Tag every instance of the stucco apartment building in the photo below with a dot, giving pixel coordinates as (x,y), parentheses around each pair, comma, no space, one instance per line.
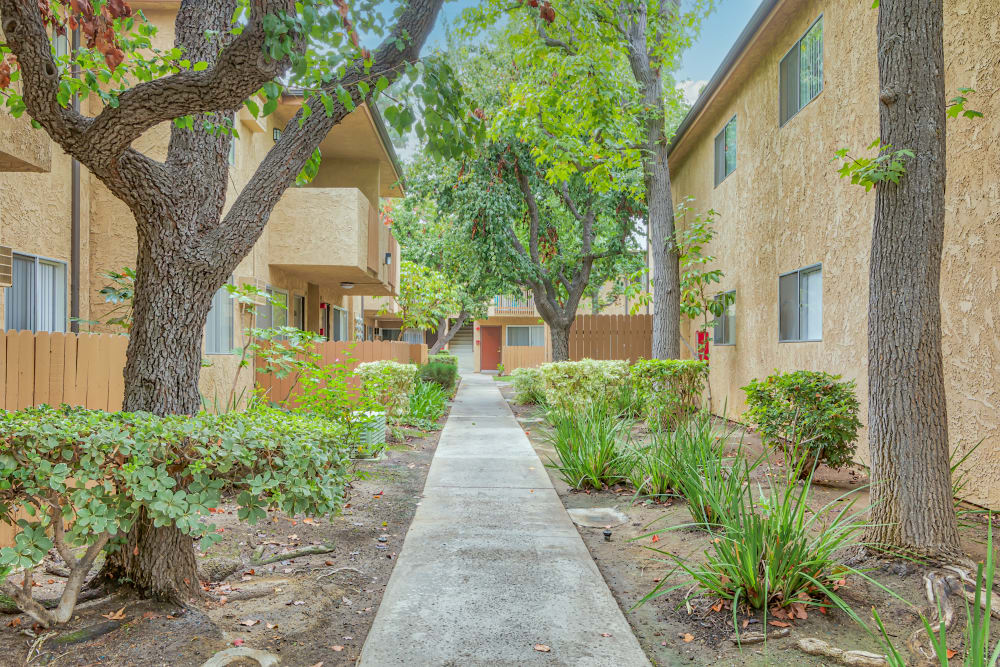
(793,238)
(324,251)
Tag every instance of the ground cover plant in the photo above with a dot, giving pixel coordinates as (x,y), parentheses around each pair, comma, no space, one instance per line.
(814,409)
(75,478)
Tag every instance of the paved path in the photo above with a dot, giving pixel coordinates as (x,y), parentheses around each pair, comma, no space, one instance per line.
(492,564)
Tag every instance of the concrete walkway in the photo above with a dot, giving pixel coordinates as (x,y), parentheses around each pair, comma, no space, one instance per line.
(492,564)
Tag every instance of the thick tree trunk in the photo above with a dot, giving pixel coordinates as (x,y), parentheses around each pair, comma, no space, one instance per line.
(445,338)
(907,412)
(560,343)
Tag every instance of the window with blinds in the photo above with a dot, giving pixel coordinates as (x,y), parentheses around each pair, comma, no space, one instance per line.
(36,299)
(800,305)
(724,333)
(800,77)
(525,336)
(219,326)
(725,151)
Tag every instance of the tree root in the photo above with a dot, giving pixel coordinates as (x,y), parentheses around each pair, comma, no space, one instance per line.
(311,550)
(939,585)
(748,638)
(818,647)
(8,606)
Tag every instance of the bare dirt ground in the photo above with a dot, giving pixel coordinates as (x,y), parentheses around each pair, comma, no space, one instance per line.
(308,610)
(676,629)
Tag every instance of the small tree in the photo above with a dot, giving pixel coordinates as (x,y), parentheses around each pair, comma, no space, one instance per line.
(426,297)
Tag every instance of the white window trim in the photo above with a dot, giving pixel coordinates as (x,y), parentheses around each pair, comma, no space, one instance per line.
(41,259)
(804,270)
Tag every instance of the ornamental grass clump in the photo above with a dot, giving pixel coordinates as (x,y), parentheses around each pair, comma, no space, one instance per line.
(529,386)
(80,478)
(814,409)
(590,445)
(771,550)
(441,373)
(388,384)
(573,385)
(428,401)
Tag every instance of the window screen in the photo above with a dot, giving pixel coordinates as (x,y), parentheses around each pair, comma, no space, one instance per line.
(800,305)
(725,151)
(413,336)
(801,72)
(219,328)
(526,336)
(339,324)
(36,299)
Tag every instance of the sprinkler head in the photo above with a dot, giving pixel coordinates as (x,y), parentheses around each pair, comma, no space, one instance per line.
(607,534)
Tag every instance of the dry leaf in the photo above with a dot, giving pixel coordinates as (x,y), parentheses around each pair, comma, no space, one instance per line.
(337,648)
(250,622)
(318,664)
(272,626)
(542,648)
(298,603)
(656,538)
(150,615)
(605,634)
(779,624)
(115,615)
(717,607)
(687,637)
(237,642)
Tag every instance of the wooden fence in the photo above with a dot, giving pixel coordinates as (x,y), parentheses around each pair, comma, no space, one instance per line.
(522,356)
(55,368)
(342,352)
(611,337)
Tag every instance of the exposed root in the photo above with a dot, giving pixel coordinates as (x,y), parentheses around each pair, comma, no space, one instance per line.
(747,638)
(818,647)
(939,586)
(311,550)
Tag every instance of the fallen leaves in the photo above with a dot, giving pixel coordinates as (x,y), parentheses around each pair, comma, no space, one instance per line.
(250,622)
(687,637)
(542,648)
(779,624)
(115,615)
(338,648)
(656,538)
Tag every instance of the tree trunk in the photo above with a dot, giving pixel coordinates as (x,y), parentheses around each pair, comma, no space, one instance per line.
(907,413)
(560,342)
(450,333)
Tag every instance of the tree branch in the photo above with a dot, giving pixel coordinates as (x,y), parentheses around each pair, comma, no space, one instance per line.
(534,218)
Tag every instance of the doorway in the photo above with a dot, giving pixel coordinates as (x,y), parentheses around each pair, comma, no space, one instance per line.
(489,352)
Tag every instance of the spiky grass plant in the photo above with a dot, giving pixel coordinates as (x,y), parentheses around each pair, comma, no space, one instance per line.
(590,445)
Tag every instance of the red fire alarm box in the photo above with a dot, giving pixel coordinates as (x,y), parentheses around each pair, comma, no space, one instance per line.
(702,346)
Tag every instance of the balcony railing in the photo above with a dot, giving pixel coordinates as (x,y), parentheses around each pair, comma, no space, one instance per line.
(514,305)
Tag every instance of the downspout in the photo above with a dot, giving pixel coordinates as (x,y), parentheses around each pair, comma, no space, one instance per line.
(74,298)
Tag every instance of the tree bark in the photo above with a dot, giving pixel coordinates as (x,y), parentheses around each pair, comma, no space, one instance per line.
(907,413)
(656,176)
(560,342)
(449,333)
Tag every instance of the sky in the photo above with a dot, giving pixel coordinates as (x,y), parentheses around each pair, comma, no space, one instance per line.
(719,32)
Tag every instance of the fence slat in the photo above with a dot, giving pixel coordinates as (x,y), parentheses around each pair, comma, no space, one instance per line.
(3,370)
(57,360)
(42,361)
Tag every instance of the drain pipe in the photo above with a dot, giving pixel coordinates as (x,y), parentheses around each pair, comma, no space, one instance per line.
(74,298)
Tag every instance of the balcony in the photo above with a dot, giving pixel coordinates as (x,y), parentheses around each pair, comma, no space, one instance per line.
(23,148)
(333,236)
(517,306)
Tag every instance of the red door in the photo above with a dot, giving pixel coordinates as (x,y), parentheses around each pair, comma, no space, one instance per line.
(489,348)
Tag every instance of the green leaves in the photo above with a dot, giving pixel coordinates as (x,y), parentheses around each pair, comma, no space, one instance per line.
(887,165)
(956,105)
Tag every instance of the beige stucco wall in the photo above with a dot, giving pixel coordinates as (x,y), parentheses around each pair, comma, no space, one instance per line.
(784,208)
(23,148)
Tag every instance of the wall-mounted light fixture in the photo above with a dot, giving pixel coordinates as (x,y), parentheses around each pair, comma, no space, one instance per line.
(346,285)
(277,134)
(388,259)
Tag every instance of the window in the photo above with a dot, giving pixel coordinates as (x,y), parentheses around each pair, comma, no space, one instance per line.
(801,72)
(36,299)
(339,324)
(800,305)
(725,151)
(273,314)
(525,336)
(413,336)
(724,334)
(389,334)
(299,312)
(219,328)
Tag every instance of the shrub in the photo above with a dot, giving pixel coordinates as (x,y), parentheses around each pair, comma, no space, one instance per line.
(529,386)
(668,389)
(427,401)
(440,373)
(443,358)
(773,549)
(573,385)
(82,476)
(388,384)
(810,409)
(589,444)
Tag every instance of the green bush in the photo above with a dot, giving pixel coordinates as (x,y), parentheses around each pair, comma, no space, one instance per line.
(809,409)
(388,384)
(573,385)
(443,358)
(529,386)
(440,373)
(83,476)
(668,390)
(590,445)
(427,401)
